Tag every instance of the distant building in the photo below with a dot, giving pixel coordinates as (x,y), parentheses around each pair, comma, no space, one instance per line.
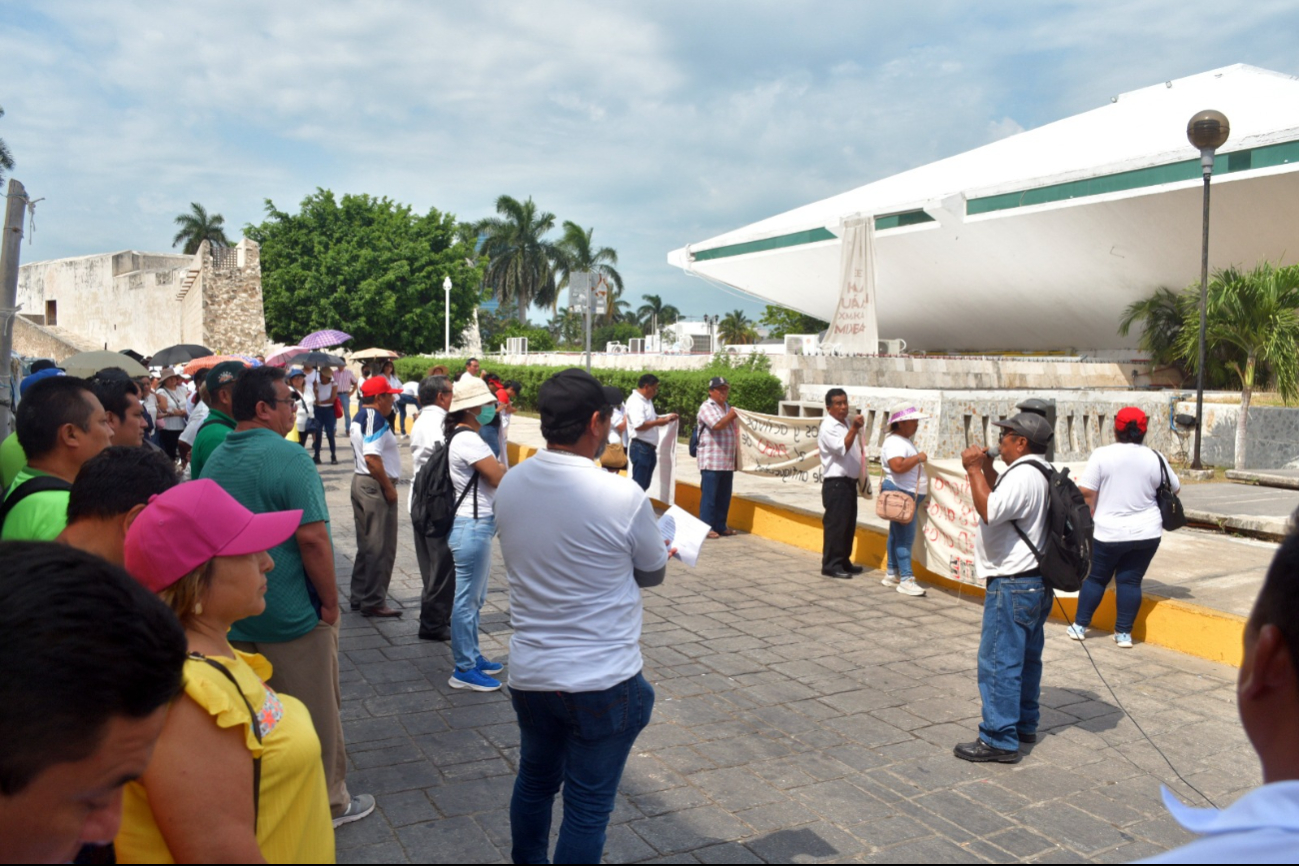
(143,301)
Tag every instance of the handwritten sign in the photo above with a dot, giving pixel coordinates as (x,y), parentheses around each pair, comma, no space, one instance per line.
(779,447)
(855,326)
(949,523)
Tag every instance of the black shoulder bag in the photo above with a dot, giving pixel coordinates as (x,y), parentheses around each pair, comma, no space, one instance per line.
(256,726)
(1170,507)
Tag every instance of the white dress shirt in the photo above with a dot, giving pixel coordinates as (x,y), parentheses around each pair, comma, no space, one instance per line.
(837,459)
(1019,496)
(424,435)
(640,410)
(1260,827)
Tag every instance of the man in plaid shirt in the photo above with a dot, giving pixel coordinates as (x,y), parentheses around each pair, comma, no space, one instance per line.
(717,447)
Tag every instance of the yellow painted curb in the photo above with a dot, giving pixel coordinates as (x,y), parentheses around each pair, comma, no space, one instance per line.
(1178,625)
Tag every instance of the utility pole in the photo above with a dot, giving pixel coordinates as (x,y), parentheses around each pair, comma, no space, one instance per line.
(10,246)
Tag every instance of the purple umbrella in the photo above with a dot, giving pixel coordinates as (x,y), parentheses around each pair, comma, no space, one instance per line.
(324,339)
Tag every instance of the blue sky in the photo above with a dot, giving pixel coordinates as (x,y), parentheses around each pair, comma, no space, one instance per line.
(657,123)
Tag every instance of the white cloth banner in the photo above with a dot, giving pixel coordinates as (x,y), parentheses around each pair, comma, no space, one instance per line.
(855,326)
(949,523)
(779,447)
(663,484)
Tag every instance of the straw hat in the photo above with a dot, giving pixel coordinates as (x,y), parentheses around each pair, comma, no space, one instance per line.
(906,411)
(470,393)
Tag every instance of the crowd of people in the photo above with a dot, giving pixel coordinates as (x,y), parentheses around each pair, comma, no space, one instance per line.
(172,657)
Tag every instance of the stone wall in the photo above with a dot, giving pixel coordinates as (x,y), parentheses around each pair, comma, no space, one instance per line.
(1272,435)
(230,299)
(33,340)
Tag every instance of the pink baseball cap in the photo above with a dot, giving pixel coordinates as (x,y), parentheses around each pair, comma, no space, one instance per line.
(183,528)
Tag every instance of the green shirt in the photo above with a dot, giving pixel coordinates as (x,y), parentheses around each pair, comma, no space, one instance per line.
(39,517)
(212,433)
(266,472)
(12,460)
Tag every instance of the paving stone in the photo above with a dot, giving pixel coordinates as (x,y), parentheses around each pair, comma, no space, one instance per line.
(1073,828)
(689,829)
(931,850)
(478,795)
(735,789)
(812,843)
(450,840)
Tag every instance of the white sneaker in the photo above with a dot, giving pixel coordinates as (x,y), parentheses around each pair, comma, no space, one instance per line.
(360,807)
(910,587)
(1123,639)
(1076,631)
(889,580)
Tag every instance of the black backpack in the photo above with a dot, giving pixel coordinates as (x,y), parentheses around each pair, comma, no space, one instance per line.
(1066,558)
(433,503)
(36,484)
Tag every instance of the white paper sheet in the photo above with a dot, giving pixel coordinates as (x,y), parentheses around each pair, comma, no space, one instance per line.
(685,532)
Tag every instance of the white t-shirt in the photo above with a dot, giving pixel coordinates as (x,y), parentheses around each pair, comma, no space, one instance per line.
(1020,496)
(838,460)
(371,435)
(326,391)
(196,419)
(571,536)
(1125,477)
(639,411)
(426,433)
(615,435)
(309,386)
(411,389)
(466,450)
(901,446)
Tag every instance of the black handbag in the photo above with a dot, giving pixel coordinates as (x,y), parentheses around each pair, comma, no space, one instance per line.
(1170,507)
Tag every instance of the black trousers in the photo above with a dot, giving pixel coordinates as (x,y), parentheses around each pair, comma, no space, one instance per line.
(438,571)
(839,498)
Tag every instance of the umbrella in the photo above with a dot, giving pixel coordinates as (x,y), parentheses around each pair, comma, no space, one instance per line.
(209,362)
(249,360)
(316,359)
(88,364)
(365,354)
(323,339)
(130,353)
(278,359)
(180,354)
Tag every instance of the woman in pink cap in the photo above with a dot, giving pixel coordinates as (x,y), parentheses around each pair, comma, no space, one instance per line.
(236,776)
(902,471)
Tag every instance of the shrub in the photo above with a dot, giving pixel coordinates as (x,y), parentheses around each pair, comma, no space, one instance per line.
(680,391)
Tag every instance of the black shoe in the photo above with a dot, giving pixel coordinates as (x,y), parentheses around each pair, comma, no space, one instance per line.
(443,635)
(841,575)
(316,459)
(1028,738)
(854,569)
(981,752)
(355,606)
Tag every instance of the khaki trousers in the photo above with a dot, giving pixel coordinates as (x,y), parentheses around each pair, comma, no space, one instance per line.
(376,544)
(307,669)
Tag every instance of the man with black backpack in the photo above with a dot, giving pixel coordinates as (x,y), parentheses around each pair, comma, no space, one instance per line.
(436,568)
(1014,509)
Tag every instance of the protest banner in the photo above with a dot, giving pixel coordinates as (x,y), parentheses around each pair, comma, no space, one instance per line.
(663,484)
(779,447)
(949,523)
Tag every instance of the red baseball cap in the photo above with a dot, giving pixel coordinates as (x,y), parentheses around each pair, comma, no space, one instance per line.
(376,385)
(1127,415)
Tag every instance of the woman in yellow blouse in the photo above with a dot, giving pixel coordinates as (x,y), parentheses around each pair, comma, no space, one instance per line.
(236,776)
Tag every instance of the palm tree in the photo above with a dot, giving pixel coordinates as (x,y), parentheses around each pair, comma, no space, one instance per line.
(196,227)
(1255,317)
(520,261)
(578,253)
(654,312)
(1161,316)
(736,328)
(6,158)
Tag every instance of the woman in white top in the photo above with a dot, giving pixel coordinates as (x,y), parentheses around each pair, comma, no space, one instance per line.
(1119,484)
(302,413)
(901,462)
(617,431)
(389,372)
(326,421)
(173,410)
(475,473)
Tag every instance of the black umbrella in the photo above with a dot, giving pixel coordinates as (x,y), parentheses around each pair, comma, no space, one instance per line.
(180,354)
(316,359)
(131,353)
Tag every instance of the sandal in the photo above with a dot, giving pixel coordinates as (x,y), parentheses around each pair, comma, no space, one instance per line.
(712,534)
(728,533)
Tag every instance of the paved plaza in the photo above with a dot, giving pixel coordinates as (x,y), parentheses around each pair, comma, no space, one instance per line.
(797,719)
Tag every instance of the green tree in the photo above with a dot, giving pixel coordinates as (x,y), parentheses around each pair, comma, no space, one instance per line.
(736,328)
(568,328)
(6,158)
(782,320)
(368,266)
(578,253)
(655,312)
(1254,316)
(198,226)
(618,332)
(539,339)
(521,262)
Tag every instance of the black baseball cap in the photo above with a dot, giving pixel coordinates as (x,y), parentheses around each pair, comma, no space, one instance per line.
(613,396)
(570,395)
(44,364)
(1032,427)
(717,382)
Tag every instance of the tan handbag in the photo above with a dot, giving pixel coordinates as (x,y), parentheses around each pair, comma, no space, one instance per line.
(898,506)
(614,456)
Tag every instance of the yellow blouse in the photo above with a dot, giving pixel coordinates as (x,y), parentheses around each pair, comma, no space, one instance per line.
(293,821)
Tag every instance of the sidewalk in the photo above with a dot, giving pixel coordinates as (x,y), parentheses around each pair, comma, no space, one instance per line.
(797,719)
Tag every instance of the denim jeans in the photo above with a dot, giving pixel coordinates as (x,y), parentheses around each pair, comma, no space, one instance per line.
(1126,562)
(347,411)
(492,436)
(902,536)
(1015,610)
(402,402)
(325,424)
(471,548)
(579,740)
(715,497)
(644,457)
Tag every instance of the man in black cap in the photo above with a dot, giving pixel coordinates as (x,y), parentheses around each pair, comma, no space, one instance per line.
(718,444)
(220,420)
(1018,602)
(578,544)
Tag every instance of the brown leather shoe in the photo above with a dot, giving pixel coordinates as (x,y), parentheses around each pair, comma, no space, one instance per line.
(381,611)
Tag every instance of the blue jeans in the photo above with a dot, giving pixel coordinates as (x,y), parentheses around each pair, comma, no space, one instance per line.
(325,424)
(1010,658)
(1126,562)
(644,457)
(402,402)
(715,497)
(579,740)
(902,537)
(492,436)
(347,411)
(471,548)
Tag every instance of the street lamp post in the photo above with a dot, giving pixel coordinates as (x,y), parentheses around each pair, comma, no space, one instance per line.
(1207,131)
(446,287)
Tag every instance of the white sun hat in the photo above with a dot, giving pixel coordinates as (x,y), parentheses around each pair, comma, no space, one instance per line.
(470,393)
(907,411)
